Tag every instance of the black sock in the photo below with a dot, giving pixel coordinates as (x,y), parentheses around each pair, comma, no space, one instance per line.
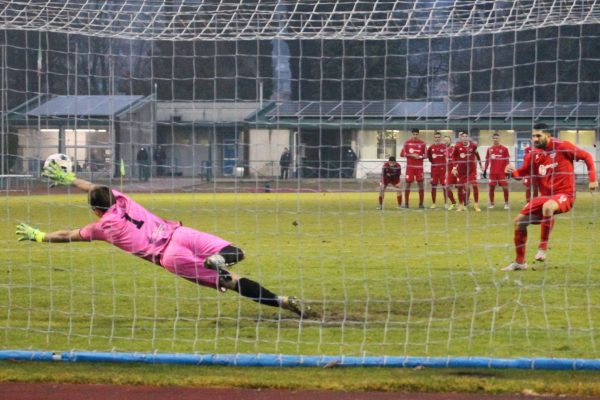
(254,291)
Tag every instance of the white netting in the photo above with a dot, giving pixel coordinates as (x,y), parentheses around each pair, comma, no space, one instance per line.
(314,19)
(214,91)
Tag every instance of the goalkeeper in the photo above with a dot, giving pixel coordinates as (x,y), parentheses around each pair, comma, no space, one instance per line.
(196,256)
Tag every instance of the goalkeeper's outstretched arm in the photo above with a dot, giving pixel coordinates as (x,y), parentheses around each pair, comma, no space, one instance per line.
(82,184)
(58,176)
(26,232)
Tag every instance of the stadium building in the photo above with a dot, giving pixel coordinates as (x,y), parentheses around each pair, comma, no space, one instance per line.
(327,139)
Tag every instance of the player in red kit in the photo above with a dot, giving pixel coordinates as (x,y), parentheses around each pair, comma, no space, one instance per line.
(553,160)
(414,150)
(497,158)
(531,181)
(450,178)
(437,156)
(390,175)
(465,158)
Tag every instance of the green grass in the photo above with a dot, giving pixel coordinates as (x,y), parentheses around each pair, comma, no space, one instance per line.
(387,283)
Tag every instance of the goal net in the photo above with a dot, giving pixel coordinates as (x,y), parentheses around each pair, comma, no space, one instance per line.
(267,123)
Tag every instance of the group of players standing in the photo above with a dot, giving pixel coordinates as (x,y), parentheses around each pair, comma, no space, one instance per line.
(547,165)
(452,165)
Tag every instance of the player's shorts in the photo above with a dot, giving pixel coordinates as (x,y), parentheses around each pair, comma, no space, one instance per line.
(534,207)
(464,179)
(413,175)
(393,182)
(450,178)
(185,254)
(438,175)
(528,181)
(498,179)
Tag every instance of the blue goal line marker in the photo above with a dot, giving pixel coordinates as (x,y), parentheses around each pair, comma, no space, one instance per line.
(282,360)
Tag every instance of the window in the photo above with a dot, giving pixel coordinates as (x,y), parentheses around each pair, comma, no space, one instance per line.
(386,143)
(580,138)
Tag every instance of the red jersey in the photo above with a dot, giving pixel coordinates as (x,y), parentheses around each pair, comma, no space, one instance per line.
(465,158)
(414,147)
(391,173)
(497,158)
(528,150)
(449,156)
(554,166)
(437,154)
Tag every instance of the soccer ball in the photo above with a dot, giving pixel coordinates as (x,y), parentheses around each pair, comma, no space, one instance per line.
(61,159)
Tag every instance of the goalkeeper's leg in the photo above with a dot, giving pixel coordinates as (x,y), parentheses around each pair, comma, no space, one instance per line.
(258,293)
(226,257)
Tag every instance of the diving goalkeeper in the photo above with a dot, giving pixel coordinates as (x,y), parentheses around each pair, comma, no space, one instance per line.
(196,256)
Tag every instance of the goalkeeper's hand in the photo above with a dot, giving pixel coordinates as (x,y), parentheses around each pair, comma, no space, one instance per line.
(57,175)
(484,174)
(26,232)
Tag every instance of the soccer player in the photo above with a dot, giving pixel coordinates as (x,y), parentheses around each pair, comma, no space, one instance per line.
(437,156)
(553,159)
(531,181)
(465,158)
(414,150)
(390,175)
(196,256)
(450,178)
(497,158)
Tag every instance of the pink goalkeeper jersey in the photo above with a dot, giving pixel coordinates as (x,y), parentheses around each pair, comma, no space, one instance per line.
(132,228)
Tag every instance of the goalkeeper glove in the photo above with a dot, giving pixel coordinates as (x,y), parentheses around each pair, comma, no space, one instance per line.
(26,232)
(57,175)
(484,174)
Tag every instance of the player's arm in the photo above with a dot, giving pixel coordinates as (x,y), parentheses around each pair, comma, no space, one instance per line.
(582,155)
(26,232)
(478,158)
(487,160)
(60,177)
(525,170)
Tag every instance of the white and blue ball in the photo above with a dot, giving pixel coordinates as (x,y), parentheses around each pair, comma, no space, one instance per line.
(63,160)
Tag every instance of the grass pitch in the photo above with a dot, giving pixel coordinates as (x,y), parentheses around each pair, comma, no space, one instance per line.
(393,282)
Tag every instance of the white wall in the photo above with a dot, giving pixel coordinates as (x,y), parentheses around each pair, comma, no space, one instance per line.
(266,146)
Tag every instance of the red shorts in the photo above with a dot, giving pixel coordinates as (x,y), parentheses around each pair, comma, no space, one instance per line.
(450,179)
(414,175)
(498,179)
(534,207)
(529,181)
(393,182)
(463,179)
(438,175)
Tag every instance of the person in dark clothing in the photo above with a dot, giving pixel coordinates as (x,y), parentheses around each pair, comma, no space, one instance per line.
(348,162)
(160,157)
(143,160)
(284,162)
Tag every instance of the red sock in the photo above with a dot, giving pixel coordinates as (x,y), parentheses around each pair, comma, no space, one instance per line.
(450,196)
(399,198)
(380,200)
(492,194)
(421,196)
(476,193)
(406,193)
(520,243)
(433,194)
(461,195)
(505,189)
(546,227)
